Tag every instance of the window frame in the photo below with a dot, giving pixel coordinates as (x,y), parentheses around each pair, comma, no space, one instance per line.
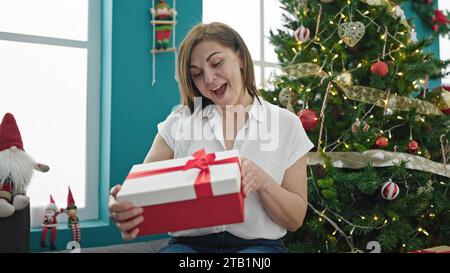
(93,87)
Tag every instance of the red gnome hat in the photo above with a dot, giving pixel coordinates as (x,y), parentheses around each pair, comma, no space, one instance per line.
(70,201)
(9,133)
(52,205)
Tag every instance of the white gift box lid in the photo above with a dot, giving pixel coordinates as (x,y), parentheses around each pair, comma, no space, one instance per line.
(179,185)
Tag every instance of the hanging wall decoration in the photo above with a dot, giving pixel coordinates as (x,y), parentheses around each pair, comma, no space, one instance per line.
(163,21)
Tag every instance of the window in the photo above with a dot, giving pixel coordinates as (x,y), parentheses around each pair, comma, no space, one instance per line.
(50,81)
(444,42)
(259,16)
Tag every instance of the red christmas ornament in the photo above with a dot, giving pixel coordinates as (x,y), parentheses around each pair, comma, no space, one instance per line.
(358,125)
(381,142)
(435,27)
(301,34)
(413,147)
(390,190)
(379,68)
(308,118)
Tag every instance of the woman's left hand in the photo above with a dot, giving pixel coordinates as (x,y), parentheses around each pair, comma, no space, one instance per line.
(253,177)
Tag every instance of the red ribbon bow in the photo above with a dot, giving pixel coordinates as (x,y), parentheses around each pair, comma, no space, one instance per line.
(201,161)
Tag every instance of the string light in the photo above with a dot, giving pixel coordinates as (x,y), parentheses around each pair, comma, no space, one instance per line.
(322,47)
(355,107)
(331,22)
(371,116)
(359,65)
(294,50)
(375,218)
(400,73)
(417,51)
(320,219)
(334,232)
(385,222)
(362,217)
(366,12)
(335,56)
(346,145)
(399,117)
(314,60)
(340,42)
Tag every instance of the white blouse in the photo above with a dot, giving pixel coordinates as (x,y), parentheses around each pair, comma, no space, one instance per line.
(272,137)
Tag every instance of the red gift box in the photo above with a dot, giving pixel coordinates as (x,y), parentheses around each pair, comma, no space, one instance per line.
(185,193)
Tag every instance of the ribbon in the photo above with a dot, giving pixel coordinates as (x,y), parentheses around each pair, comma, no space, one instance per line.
(201,161)
(380,158)
(363,93)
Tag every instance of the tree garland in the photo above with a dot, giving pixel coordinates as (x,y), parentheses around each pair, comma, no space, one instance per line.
(433,18)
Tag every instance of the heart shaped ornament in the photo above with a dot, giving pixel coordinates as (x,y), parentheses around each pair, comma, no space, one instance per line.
(350,33)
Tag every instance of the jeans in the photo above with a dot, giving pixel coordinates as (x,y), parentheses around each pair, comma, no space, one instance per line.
(223,242)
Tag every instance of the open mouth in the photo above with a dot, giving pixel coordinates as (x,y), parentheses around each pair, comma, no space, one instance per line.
(220,90)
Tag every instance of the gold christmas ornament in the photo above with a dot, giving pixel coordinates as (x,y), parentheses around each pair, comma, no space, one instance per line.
(350,33)
(344,78)
(286,97)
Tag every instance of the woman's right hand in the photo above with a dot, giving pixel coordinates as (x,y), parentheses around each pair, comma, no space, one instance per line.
(125,214)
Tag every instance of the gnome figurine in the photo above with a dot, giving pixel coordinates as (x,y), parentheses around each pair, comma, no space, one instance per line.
(16,168)
(72,222)
(49,222)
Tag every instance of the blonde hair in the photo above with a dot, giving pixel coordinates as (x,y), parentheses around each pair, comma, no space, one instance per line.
(225,36)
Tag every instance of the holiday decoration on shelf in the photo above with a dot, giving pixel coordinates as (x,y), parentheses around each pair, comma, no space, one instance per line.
(412,147)
(16,168)
(390,190)
(72,221)
(301,34)
(379,68)
(49,221)
(163,21)
(351,32)
(308,118)
(359,126)
(364,60)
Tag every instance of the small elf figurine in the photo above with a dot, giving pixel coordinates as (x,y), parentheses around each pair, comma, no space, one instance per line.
(72,222)
(49,222)
(163,12)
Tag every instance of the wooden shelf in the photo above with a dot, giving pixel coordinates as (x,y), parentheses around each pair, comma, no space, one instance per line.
(172,49)
(163,22)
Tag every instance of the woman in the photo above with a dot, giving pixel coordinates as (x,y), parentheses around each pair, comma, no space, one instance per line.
(214,64)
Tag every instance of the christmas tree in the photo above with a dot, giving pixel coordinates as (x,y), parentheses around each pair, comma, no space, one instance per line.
(357,77)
